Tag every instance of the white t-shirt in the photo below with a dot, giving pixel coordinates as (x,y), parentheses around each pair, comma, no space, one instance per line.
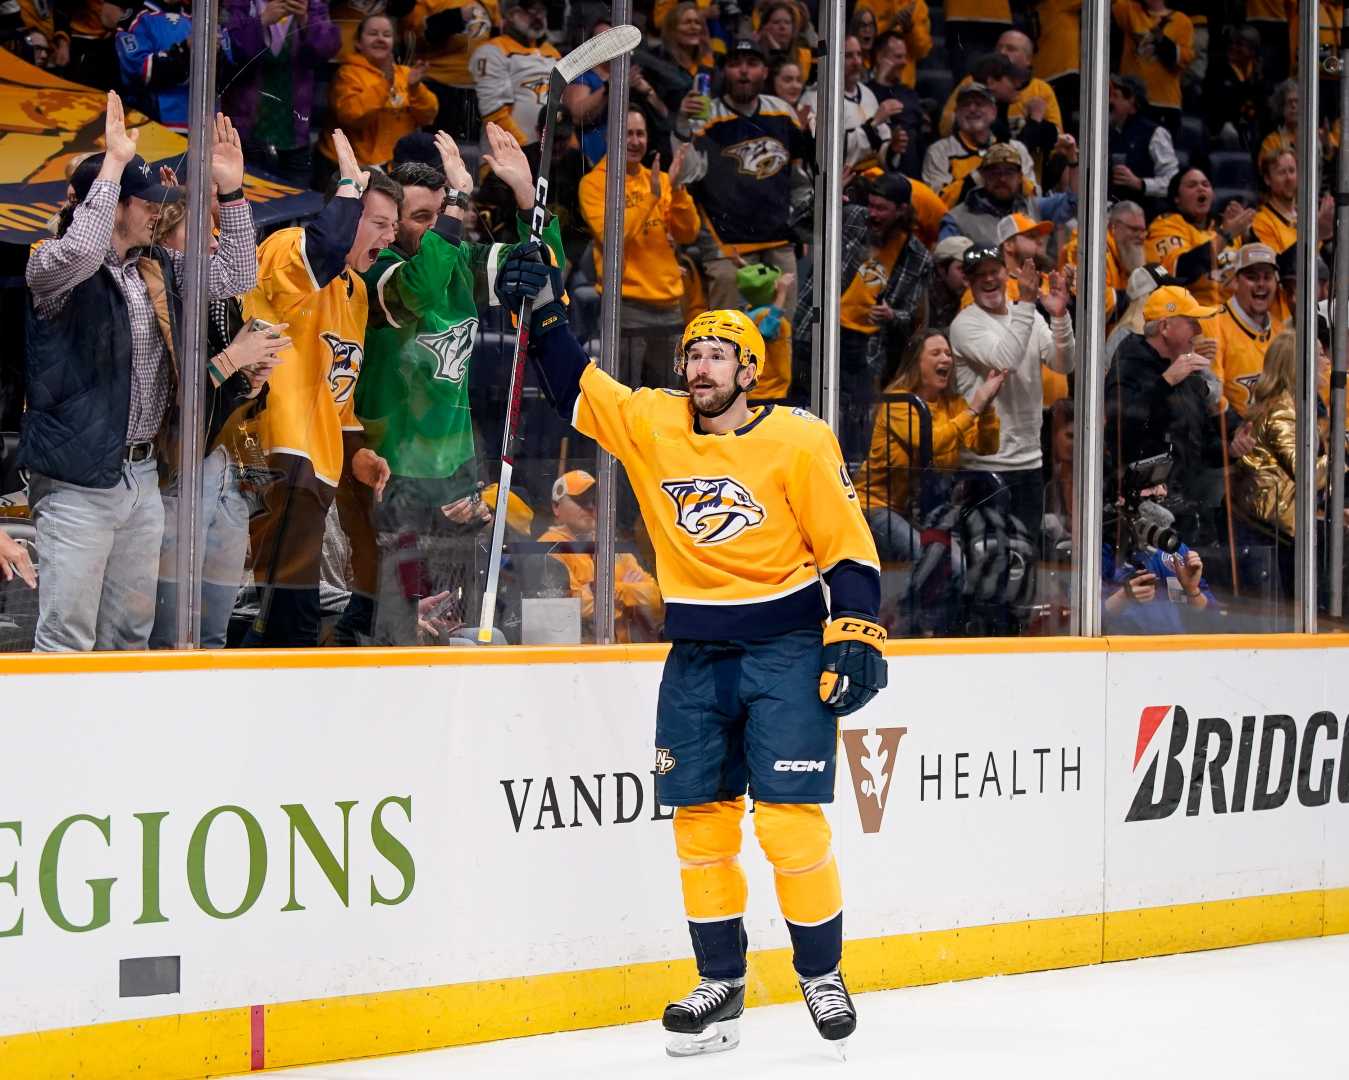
(1018,343)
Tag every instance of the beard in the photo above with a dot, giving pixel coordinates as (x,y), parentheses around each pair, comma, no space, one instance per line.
(1131,256)
(714,401)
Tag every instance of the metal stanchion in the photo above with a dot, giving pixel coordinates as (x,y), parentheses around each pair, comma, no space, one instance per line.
(1089,393)
(606,476)
(1339,307)
(1304,555)
(196,174)
(827,242)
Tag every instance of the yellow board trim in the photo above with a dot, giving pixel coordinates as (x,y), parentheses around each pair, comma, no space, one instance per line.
(490,656)
(402,1021)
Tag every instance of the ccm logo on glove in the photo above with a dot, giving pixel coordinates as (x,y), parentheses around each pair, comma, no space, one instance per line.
(853,669)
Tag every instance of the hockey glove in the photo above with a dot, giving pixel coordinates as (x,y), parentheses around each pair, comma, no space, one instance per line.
(525,275)
(853,667)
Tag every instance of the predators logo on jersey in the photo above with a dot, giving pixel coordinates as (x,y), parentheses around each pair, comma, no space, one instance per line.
(760,158)
(452,348)
(346,365)
(537,87)
(713,510)
(873,274)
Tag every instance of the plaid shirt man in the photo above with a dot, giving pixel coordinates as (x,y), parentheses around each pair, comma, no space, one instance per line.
(58,266)
(905,293)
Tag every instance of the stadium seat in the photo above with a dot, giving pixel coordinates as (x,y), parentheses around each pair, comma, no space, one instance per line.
(1224,195)
(1193,138)
(935,83)
(1182,158)
(1231,169)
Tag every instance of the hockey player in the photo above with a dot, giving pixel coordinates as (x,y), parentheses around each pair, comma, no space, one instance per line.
(748,510)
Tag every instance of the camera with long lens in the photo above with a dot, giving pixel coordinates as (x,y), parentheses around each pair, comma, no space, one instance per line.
(1143,525)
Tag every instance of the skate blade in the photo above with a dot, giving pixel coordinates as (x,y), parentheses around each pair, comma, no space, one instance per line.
(724,1035)
(841,1049)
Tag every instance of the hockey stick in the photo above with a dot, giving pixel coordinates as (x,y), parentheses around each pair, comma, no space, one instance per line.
(600,49)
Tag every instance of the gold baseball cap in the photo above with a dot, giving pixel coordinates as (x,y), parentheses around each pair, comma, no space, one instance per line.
(1172,302)
(574,483)
(1021,224)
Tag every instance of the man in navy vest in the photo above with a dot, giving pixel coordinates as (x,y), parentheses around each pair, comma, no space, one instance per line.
(99,384)
(1142,156)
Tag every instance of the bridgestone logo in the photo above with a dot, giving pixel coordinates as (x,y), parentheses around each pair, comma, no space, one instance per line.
(1289,757)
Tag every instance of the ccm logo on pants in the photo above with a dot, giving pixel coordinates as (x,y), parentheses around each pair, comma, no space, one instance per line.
(798,766)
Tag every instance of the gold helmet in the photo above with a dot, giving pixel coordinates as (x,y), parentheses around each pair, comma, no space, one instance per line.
(734,327)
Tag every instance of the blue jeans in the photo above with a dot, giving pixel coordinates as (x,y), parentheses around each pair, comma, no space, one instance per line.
(222,548)
(99,549)
(896,539)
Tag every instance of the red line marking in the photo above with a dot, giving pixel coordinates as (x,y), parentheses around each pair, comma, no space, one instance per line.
(258,1037)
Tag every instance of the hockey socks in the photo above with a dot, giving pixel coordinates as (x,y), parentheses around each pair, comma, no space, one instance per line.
(816,950)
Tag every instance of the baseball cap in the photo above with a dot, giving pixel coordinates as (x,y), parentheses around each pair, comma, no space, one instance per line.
(1147,279)
(138,180)
(953,247)
(744,46)
(1001,154)
(574,484)
(976,88)
(976,255)
(1172,302)
(893,186)
(1019,224)
(1249,255)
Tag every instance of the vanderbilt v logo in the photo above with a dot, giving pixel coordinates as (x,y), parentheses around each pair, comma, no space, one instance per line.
(871,762)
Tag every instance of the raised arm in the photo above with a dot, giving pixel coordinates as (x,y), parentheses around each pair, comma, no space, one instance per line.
(55,268)
(234,267)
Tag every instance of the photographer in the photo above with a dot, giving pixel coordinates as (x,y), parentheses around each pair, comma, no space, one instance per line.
(1149,590)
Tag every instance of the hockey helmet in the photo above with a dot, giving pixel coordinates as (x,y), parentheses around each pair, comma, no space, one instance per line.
(728,325)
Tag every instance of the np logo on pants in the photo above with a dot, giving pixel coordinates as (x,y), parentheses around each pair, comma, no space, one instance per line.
(664,761)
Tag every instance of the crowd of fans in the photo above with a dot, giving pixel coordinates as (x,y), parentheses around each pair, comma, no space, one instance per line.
(357,360)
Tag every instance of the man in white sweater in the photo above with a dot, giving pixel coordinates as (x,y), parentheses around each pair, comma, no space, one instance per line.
(995,335)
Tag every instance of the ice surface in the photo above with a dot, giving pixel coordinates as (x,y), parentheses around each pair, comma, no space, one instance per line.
(1265,1011)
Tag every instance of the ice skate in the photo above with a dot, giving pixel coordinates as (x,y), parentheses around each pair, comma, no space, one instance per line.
(707,1020)
(831,1009)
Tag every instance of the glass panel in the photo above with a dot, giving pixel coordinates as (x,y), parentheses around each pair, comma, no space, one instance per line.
(415,379)
(94,267)
(963,478)
(1200,400)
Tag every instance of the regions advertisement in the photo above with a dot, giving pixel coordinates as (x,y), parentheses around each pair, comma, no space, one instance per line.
(194,841)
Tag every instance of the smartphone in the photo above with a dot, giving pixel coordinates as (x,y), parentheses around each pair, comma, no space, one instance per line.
(260,325)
